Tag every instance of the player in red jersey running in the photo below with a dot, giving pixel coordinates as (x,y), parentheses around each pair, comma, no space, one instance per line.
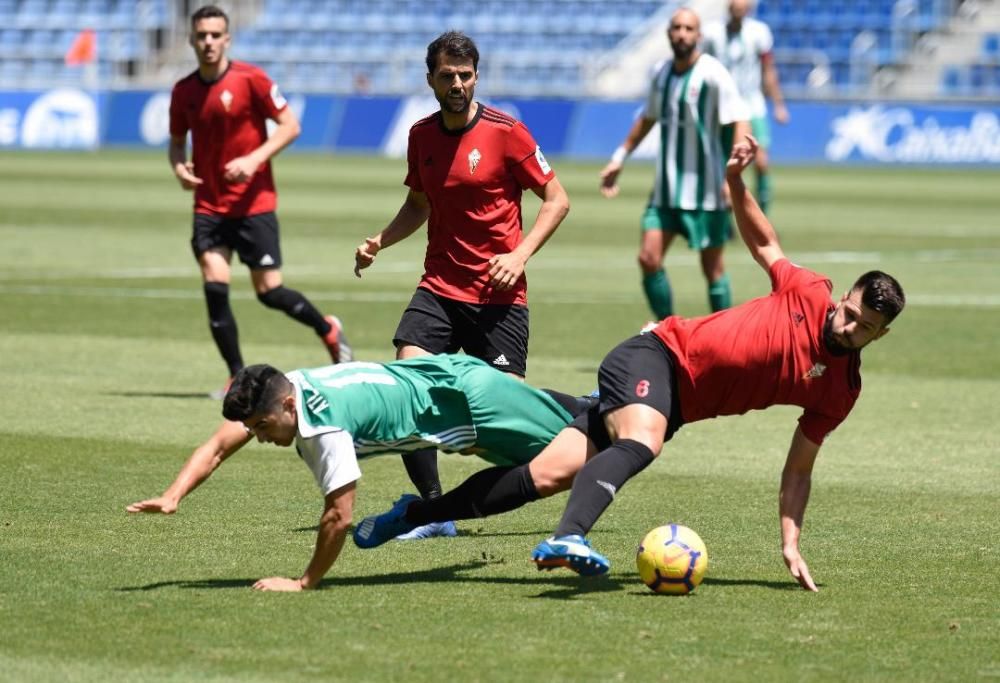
(467,167)
(793,347)
(225,105)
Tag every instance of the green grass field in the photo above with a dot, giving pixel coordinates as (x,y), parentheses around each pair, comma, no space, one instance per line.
(106,362)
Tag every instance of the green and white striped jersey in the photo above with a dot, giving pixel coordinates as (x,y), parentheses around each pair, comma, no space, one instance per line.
(691,108)
(741,53)
(450,402)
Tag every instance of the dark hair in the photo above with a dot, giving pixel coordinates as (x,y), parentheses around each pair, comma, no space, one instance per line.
(453,44)
(208,12)
(881,293)
(254,390)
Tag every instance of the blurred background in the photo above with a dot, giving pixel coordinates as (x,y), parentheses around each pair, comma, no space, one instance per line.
(884,81)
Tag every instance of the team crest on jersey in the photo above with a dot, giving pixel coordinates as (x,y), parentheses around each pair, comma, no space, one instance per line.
(227,99)
(815,371)
(542,163)
(474,158)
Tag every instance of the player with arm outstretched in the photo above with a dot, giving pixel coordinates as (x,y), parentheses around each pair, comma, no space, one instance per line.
(333,415)
(793,347)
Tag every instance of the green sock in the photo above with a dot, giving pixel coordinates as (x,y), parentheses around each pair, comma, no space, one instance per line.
(763,190)
(657,289)
(720,294)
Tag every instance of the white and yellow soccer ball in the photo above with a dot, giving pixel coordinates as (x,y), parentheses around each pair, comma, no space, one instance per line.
(672,559)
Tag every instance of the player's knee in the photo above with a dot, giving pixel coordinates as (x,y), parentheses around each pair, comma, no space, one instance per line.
(550,480)
(649,262)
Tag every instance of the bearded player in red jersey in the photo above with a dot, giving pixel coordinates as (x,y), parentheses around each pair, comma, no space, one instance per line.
(225,105)
(793,347)
(468,165)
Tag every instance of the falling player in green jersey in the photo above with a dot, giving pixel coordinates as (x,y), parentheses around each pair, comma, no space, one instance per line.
(336,414)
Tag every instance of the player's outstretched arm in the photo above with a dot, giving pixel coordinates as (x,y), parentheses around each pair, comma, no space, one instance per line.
(609,174)
(227,439)
(796,481)
(411,215)
(757,232)
(333,527)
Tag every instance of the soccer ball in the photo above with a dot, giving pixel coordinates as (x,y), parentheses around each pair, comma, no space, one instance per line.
(672,559)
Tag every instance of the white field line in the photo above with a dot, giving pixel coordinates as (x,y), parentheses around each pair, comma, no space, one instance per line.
(545,264)
(924,300)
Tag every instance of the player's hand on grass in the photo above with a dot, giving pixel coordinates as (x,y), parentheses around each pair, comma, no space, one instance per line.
(279,584)
(609,179)
(240,170)
(742,156)
(186,177)
(799,570)
(364,255)
(166,506)
(505,271)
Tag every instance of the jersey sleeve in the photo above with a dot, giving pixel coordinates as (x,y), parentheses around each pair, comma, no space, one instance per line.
(652,108)
(765,40)
(412,179)
(786,275)
(525,158)
(332,459)
(178,123)
(267,97)
(732,107)
(817,426)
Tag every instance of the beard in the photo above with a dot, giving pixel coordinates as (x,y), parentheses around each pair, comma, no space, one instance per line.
(453,107)
(682,50)
(830,341)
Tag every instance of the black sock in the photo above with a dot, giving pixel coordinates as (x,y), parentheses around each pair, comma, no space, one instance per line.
(574,405)
(293,303)
(597,482)
(223,325)
(422,466)
(487,492)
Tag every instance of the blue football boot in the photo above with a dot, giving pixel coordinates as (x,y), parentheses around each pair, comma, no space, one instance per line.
(432,530)
(375,530)
(573,552)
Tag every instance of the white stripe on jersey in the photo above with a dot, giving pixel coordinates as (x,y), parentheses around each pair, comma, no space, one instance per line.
(691,109)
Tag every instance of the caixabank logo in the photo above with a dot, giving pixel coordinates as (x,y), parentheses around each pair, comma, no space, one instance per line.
(61,118)
(911,135)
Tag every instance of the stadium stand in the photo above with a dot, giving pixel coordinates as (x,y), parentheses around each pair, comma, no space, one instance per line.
(36,35)
(529,47)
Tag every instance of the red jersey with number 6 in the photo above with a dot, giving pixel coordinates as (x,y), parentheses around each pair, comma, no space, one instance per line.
(473,179)
(767,351)
(227,119)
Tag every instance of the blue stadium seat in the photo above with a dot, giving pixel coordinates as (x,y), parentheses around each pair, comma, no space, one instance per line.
(991,47)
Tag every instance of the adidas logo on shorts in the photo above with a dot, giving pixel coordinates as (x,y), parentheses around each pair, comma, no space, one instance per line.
(266,260)
(501,360)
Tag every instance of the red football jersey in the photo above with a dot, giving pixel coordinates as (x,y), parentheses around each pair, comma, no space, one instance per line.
(767,351)
(473,179)
(227,119)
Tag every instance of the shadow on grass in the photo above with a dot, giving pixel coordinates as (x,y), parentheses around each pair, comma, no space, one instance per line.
(159,394)
(775,585)
(478,533)
(563,586)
